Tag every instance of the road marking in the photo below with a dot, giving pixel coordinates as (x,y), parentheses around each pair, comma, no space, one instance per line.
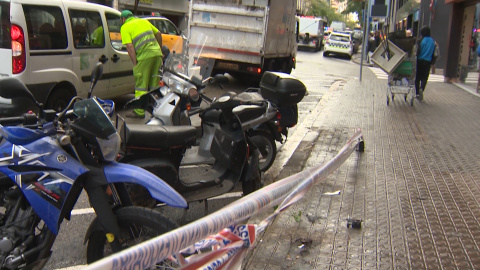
(82,211)
(73,267)
(86,211)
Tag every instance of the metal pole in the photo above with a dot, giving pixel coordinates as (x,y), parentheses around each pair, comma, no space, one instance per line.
(366,35)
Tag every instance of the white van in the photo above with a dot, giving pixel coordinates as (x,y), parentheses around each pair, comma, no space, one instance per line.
(53,45)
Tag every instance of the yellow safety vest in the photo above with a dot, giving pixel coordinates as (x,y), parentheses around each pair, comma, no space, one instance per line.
(141,33)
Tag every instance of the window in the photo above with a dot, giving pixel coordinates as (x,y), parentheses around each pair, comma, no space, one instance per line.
(5,38)
(164,26)
(340,38)
(170,28)
(46,27)
(87,29)
(114,24)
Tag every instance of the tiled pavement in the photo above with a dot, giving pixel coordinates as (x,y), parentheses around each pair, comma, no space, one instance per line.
(416,187)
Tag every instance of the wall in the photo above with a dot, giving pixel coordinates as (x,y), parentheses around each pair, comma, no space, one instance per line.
(175,10)
(439,24)
(468,18)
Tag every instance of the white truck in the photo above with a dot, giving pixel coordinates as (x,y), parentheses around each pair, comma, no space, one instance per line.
(338,26)
(310,32)
(245,37)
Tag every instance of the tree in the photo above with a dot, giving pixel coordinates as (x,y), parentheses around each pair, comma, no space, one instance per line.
(320,8)
(355,6)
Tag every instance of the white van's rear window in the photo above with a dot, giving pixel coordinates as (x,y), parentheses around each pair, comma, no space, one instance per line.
(5,38)
(46,27)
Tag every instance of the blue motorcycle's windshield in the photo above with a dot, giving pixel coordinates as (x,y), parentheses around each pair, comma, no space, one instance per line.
(93,118)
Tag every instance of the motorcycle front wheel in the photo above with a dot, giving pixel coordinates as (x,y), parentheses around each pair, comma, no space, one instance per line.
(265,143)
(138,224)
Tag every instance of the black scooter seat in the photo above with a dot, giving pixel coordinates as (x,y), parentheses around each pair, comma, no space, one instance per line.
(152,136)
(250,96)
(249,112)
(244,112)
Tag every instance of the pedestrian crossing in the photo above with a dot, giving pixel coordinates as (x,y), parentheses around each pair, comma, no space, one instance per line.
(380,74)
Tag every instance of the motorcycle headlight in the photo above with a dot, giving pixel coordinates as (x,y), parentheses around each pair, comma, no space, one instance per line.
(193,94)
(110,147)
(176,86)
(164,90)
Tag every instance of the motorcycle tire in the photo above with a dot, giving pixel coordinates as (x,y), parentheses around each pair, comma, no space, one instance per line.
(138,224)
(267,147)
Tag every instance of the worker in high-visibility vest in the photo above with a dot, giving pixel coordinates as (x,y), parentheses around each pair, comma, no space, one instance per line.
(144,42)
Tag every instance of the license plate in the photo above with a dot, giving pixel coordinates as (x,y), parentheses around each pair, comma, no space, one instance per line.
(229,66)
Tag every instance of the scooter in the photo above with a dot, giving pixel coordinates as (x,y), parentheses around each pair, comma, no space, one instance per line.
(181,97)
(161,148)
(46,161)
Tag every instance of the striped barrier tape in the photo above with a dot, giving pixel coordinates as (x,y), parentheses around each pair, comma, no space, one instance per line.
(230,245)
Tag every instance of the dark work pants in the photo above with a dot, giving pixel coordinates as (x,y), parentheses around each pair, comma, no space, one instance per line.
(423,70)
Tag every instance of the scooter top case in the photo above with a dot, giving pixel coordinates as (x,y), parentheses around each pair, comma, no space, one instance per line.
(282,89)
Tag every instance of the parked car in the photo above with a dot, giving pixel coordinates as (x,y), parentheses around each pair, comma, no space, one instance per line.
(170,32)
(339,43)
(52,46)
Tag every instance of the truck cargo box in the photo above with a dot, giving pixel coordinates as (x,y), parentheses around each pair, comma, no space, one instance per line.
(245,35)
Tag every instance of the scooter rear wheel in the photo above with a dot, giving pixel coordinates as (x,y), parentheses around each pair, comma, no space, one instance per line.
(138,224)
(265,143)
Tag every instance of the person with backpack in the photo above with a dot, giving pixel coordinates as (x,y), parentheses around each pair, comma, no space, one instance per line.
(425,57)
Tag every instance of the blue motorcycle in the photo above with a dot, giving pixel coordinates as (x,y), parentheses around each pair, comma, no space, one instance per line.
(47,159)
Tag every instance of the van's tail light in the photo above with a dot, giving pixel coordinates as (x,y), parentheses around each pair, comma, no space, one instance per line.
(18,49)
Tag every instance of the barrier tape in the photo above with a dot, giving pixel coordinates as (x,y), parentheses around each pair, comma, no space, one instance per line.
(230,245)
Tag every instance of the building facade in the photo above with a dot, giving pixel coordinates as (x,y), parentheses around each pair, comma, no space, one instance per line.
(453,25)
(175,10)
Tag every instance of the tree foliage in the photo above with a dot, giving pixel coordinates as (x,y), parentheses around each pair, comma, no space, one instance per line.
(354,6)
(320,8)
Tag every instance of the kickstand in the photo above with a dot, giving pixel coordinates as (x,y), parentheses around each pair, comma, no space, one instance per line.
(206,207)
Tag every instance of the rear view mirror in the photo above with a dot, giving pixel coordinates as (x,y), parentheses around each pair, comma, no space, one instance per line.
(96,75)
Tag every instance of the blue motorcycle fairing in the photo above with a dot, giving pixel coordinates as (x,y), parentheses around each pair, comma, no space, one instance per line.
(20,135)
(46,190)
(161,191)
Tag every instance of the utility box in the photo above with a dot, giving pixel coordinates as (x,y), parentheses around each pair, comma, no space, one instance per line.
(388,56)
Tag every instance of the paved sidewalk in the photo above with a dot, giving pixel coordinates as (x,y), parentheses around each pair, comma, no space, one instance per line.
(416,187)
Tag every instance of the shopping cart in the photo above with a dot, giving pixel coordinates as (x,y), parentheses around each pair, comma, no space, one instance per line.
(401,81)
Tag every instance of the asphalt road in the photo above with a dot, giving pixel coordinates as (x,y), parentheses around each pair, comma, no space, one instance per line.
(315,71)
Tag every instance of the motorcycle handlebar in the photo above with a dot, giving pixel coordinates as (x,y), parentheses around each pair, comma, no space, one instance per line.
(26,119)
